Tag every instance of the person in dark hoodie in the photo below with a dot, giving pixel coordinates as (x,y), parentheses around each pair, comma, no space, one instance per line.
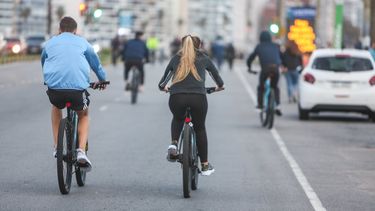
(134,53)
(270,60)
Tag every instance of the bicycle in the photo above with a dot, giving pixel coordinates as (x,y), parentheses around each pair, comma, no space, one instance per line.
(188,152)
(134,85)
(267,114)
(67,143)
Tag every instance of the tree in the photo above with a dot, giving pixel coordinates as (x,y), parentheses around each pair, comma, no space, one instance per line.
(25,13)
(60,12)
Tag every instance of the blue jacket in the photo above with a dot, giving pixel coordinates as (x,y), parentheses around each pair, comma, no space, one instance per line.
(135,50)
(267,51)
(66,61)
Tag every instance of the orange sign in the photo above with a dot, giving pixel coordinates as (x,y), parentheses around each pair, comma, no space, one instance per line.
(303,35)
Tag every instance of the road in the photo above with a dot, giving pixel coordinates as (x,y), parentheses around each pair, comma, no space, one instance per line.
(327,162)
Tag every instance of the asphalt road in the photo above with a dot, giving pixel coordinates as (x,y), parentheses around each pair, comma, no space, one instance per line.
(327,162)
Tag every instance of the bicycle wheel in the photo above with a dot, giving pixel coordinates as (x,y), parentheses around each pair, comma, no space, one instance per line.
(186,161)
(134,86)
(194,168)
(271,110)
(64,157)
(80,174)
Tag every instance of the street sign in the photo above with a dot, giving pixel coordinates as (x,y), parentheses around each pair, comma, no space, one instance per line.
(339,25)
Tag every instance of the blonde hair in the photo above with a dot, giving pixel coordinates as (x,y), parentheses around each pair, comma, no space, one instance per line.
(187,60)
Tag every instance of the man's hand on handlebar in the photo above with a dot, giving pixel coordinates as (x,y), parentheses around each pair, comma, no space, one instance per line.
(101,85)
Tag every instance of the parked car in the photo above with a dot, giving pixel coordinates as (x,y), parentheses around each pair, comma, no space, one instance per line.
(338,80)
(35,44)
(14,45)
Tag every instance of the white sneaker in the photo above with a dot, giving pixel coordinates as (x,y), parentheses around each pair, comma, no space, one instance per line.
(172,153)
(83,162)
(207,170)
(54,153)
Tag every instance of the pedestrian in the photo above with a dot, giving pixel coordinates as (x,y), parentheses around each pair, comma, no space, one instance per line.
(152,45)
(218,51)
(230,54)
(175,46)
(292,61)
(115,45)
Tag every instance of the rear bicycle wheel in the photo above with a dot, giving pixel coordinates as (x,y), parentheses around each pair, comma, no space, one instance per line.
(271,109)
(186,161)
(64,157)
(194,168)
(134,86)
(80,174)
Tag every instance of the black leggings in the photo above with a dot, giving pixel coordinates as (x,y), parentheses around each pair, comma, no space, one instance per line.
(198,105)
(138,64)
(274,81)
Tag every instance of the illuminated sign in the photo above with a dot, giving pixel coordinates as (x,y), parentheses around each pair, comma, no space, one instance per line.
(303,35)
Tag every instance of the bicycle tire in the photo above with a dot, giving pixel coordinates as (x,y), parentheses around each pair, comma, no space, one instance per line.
(186,161)
(80,174)
(63,153)
(271,110)
(195,168)
(134,86)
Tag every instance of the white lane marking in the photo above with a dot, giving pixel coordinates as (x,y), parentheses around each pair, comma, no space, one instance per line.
(103,108)
(301,178)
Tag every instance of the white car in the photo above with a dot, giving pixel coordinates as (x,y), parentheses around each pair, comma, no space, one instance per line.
(338,80)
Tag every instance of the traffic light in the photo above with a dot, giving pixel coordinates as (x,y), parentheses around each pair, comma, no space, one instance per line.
(98,13)
(82,9)
(274,28)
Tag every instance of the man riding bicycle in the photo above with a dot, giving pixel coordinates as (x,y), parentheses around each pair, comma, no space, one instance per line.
(66,61)
(270,59)
(134,53)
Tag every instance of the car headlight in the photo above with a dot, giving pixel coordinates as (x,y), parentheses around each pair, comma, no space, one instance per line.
(16,48)
(96,48)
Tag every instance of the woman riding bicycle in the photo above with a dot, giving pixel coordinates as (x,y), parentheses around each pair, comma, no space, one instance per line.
(187,71)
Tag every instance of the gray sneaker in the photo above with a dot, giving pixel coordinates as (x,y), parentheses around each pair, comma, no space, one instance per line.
(83,162)
(207,169)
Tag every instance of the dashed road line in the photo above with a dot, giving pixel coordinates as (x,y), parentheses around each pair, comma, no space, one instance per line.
(301,178)
(103,108)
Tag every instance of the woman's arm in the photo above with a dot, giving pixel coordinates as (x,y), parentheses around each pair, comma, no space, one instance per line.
(169,71)
(214,73)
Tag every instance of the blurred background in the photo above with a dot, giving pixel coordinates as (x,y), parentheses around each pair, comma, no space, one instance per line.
(29,22)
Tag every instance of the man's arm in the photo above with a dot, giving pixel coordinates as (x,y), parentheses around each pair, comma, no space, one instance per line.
(43,57)
(252,57)
(94,62)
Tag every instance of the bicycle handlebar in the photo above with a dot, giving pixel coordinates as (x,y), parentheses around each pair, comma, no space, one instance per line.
(99,85)
(209,90)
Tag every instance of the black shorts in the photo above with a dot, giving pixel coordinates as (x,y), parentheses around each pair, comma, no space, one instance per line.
(79,99)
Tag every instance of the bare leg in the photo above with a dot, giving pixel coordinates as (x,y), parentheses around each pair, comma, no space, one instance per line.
(56,116)
(83,128)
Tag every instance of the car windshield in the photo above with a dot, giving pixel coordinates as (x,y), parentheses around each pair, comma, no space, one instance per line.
(12,40)
(35,40)
(342,64)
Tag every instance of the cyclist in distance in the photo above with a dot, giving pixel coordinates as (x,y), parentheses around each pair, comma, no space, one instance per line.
(270,59)
(187,71)
(66,60)
(134,53)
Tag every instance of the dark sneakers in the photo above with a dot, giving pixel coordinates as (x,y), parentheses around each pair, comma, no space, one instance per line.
(207,169)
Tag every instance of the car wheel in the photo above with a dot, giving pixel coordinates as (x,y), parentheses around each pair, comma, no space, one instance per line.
(303,114)
(371,116)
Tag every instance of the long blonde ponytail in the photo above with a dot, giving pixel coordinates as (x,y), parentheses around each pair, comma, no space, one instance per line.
(187,61)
